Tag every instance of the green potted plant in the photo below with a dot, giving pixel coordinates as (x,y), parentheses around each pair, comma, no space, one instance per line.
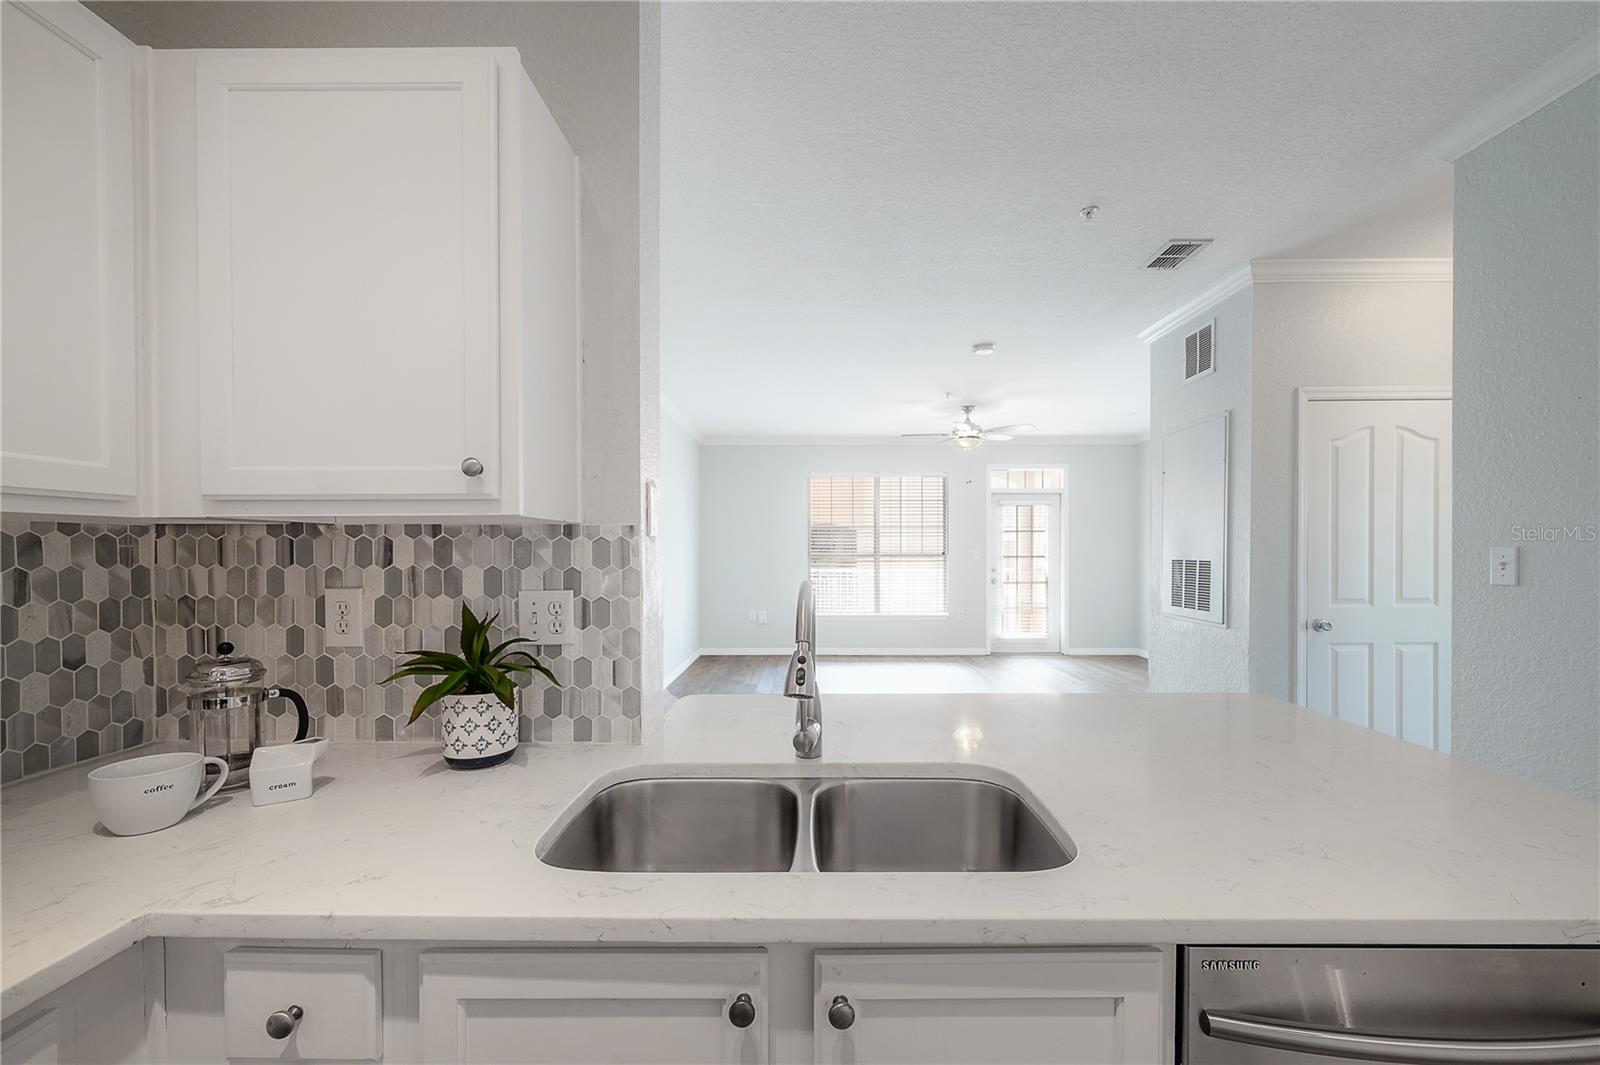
(476,693)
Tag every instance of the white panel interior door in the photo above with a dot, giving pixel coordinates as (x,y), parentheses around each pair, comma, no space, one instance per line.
(570,1007)
(70,340)
(1375,616)
(348,273)
(1025,573)
(988,1008)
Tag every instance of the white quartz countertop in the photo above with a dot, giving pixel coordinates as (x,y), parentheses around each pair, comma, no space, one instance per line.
(1198,819)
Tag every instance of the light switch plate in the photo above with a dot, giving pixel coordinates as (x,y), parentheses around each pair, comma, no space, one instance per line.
(344,617)
(1503,565)
(547,617)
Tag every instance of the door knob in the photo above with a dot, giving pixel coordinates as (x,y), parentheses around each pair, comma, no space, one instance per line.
(1321,625)
(841,1014)
(742,1014)
(471,467)
(281,1025)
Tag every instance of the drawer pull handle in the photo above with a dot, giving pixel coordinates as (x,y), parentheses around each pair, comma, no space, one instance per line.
(841,1014)
(281,1025)
(742,1014)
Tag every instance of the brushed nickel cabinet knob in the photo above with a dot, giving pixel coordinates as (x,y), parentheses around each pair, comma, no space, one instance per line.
(281,1025)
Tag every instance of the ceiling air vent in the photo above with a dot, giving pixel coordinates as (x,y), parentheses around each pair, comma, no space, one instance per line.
(1199,351)
(1175,254)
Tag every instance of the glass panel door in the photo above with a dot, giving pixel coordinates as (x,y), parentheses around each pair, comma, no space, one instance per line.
(1025,613)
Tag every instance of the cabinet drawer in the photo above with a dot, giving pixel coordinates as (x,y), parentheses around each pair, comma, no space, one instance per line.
(339,992)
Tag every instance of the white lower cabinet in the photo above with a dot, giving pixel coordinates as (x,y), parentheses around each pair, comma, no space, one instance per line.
(303,1005)
(981,1007)
(210,1002)
(564,1007)
(104,1017)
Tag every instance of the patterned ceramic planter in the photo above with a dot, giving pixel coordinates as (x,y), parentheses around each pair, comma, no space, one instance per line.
(477,731)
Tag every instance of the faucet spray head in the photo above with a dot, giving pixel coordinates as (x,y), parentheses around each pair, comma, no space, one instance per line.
(801,680)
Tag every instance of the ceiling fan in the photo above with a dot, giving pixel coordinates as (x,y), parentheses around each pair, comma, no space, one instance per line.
(968,434)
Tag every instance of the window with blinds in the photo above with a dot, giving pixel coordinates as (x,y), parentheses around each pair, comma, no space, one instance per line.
(878,545)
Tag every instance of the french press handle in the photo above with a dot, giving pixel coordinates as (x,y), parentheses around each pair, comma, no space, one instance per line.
(304,725)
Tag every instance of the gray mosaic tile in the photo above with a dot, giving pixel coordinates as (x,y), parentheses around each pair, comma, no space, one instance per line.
(76,662)
(100,624)
(261,587)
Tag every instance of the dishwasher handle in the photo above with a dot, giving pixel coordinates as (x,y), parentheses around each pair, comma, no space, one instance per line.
(1574,1049)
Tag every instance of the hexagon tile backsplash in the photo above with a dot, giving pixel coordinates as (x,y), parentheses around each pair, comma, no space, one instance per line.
(104,623)
(75,637)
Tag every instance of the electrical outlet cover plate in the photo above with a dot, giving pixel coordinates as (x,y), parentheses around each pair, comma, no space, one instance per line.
(344,617)
(547,617)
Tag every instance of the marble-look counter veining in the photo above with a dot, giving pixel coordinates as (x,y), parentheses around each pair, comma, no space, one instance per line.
(1198,818)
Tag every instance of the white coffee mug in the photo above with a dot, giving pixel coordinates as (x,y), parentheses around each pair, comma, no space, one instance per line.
(138,795)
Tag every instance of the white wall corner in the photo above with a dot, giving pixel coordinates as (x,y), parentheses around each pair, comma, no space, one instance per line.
(1237,281)
(673,411)
(1545,85)
(1290,271)
(678,670)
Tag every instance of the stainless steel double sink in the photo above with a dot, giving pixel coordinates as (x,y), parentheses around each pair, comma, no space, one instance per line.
(699,824)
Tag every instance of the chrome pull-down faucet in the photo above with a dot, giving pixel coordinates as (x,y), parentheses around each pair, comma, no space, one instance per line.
(800,684)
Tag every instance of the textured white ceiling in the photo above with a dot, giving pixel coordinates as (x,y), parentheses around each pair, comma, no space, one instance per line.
(852,194)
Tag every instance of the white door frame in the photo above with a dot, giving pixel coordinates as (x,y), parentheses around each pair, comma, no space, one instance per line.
(1304,396)
(1058,595)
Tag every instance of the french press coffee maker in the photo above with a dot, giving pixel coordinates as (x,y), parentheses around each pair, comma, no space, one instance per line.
(226,697)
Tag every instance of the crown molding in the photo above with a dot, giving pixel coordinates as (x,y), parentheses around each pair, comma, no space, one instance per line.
(1237,281)
(1550,82)
(673,411)
(988,447)
(1279,271)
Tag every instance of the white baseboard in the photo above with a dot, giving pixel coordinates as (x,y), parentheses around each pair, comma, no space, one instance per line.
(1087,652)
(850,652)
(674,674)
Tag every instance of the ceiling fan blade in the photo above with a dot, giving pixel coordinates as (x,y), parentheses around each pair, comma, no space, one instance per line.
(1020,427)
(992,435)
(934,436)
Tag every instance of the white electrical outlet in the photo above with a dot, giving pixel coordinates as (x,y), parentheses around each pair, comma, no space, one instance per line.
(547,617)
(344,617)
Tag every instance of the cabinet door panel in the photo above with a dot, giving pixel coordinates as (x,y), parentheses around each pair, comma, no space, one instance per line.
(989,1008)
(348,312)
(70,341)
(591,1006)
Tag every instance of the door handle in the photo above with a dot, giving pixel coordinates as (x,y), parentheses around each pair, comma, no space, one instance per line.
(1321,625)
(1401,1049)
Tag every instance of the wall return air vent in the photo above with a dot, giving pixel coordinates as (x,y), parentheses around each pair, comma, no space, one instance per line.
(1200,351)
(1176,253)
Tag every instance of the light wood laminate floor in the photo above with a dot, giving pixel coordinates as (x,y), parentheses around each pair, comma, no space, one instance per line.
(880,674)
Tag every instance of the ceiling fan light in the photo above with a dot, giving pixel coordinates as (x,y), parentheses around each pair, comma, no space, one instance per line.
(968,442)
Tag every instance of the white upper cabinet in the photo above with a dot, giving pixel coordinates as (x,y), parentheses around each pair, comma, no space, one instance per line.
(369,286)
(348,303)
(70,429)
(360,295)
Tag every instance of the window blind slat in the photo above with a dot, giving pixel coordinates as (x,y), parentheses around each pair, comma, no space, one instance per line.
(878,544)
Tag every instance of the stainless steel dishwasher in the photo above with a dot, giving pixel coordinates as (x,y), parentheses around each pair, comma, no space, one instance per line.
(1505,1005)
